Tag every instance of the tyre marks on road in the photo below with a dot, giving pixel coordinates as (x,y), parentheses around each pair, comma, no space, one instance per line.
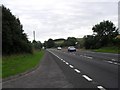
(78,71)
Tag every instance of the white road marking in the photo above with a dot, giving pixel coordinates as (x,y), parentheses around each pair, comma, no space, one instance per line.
(77,70)
(115,63)
(67,63)
(90,57)
(113,59)
(109,61)
(71,66)
(101,88)
(86,77)
(61,59)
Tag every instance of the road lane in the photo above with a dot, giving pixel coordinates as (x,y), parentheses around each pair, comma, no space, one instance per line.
(104,73)
(98,55)
(47,75)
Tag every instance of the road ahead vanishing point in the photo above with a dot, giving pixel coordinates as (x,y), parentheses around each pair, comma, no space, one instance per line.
(62,69)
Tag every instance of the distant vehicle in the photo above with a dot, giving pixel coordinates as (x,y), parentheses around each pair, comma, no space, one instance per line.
(59,48)
(71,49)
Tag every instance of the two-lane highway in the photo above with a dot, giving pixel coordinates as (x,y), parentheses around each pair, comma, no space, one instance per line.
(96,68)
(62,69)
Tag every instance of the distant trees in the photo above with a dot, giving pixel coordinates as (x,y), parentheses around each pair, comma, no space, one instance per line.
(49,44)
(104,35)
(14,40)
(37,45)
(70,41)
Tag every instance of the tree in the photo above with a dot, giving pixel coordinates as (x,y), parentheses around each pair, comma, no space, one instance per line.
(37,45)
(105,31)
(49,44)
(71,41)
(14,40)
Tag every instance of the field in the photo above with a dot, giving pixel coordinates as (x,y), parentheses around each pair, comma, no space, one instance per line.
(15,64)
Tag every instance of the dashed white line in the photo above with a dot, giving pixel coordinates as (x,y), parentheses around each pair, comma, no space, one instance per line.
(71,66)
(90,57)
(77,70)
(115,63)
(109,61)
(101,88)
(113,59)
(86,77)
(67,63)
(61,59)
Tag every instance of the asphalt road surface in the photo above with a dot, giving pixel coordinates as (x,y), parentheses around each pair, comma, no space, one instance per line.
(81,69)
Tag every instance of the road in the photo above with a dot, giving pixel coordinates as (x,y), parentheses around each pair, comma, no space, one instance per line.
(100,69)
(81,69)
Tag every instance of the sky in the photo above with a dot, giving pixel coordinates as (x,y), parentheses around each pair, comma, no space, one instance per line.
(62,18)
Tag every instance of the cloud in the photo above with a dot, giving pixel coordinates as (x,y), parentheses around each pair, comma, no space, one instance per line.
(61,18)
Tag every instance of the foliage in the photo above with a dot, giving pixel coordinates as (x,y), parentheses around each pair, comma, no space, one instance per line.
(14,40)
(70,41)
(49,44)
(104,34)
(37,45)
(112,49)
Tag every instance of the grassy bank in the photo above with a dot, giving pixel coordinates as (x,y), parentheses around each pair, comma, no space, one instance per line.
(15,64)
(108,50)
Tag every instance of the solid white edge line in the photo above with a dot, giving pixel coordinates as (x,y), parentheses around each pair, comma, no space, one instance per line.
(101,88)
(71,66)
(86,77)
(77,70)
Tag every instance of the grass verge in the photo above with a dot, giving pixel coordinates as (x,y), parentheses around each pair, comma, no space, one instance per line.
(108,49)
(15,64)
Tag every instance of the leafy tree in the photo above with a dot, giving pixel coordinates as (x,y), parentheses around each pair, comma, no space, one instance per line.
(104,34)
(37,45)
(71,41)
(105,31)
(49,44)
(14,40)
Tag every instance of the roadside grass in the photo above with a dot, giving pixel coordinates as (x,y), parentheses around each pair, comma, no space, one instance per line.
(15,64)
(113,49)
(0,67)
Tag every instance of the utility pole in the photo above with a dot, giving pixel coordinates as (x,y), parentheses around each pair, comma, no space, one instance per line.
(34,35)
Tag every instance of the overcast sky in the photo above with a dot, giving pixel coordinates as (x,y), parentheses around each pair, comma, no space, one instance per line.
(62,18)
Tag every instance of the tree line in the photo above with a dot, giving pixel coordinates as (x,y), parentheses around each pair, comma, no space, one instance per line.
(14,40)
(104,34)
(70,41)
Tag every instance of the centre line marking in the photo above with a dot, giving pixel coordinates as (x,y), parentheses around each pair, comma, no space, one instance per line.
(113,59)
(86,77)
(109,61)
(67,63)
(90,57)
(101,88)
(71,66)
(77,70)
(63,61)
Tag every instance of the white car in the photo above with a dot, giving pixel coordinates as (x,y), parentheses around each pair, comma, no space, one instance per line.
(59,48)
(71,49)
